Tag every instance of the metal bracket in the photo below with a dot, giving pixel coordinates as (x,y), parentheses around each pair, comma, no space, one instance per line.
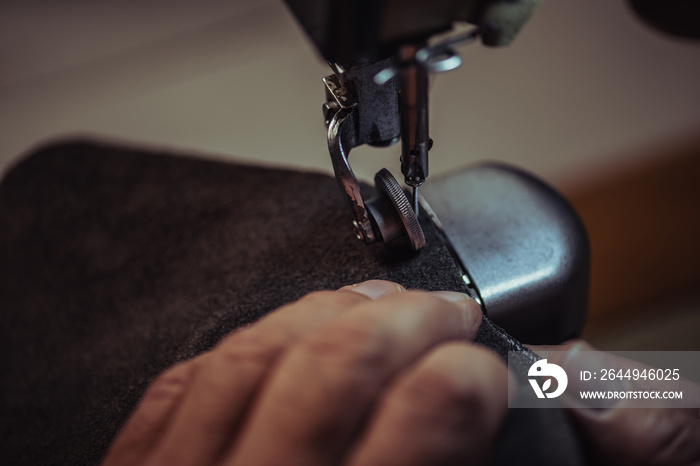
(386,217)
(342,136)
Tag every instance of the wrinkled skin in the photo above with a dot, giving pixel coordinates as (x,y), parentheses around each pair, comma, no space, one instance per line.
(371,374)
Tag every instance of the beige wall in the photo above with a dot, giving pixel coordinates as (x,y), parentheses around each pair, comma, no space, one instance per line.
(583,87)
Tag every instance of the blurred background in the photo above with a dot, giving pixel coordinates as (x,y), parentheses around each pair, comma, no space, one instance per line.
(588,98)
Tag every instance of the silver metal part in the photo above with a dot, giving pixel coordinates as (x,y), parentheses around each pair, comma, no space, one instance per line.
(436,58)
(342,96)
(412,68)
(413,108)
(362,108)
(441,55)
(522,246)
(393,214)
(341,138)
(415,200)
(338,134)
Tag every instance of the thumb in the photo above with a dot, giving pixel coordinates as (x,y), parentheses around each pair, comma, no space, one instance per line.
(621,434)
(640,436)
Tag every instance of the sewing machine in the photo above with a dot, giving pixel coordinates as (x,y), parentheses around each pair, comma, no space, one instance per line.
(522,250)
(381,54)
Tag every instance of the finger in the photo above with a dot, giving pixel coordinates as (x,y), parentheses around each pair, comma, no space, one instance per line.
(149,419)
(324,387)
(228,377)
(446,409)
(641,436)
(375,289)
(619,434)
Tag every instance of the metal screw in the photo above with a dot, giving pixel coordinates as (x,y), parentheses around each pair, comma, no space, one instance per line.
(358,230)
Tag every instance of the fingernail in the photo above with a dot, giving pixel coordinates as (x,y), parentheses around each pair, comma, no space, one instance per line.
(471,313)
(453,297)
(375,289)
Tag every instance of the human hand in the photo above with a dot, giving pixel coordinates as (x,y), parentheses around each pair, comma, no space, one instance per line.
(622,435)
(371,374)
(640,436)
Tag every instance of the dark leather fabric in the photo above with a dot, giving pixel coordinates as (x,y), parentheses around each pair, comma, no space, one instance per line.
(117,263)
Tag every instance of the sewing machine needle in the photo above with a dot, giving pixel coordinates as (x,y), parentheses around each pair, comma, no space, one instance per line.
(415,200)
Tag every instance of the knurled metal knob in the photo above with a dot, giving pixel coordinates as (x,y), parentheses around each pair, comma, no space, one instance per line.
(391,212)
